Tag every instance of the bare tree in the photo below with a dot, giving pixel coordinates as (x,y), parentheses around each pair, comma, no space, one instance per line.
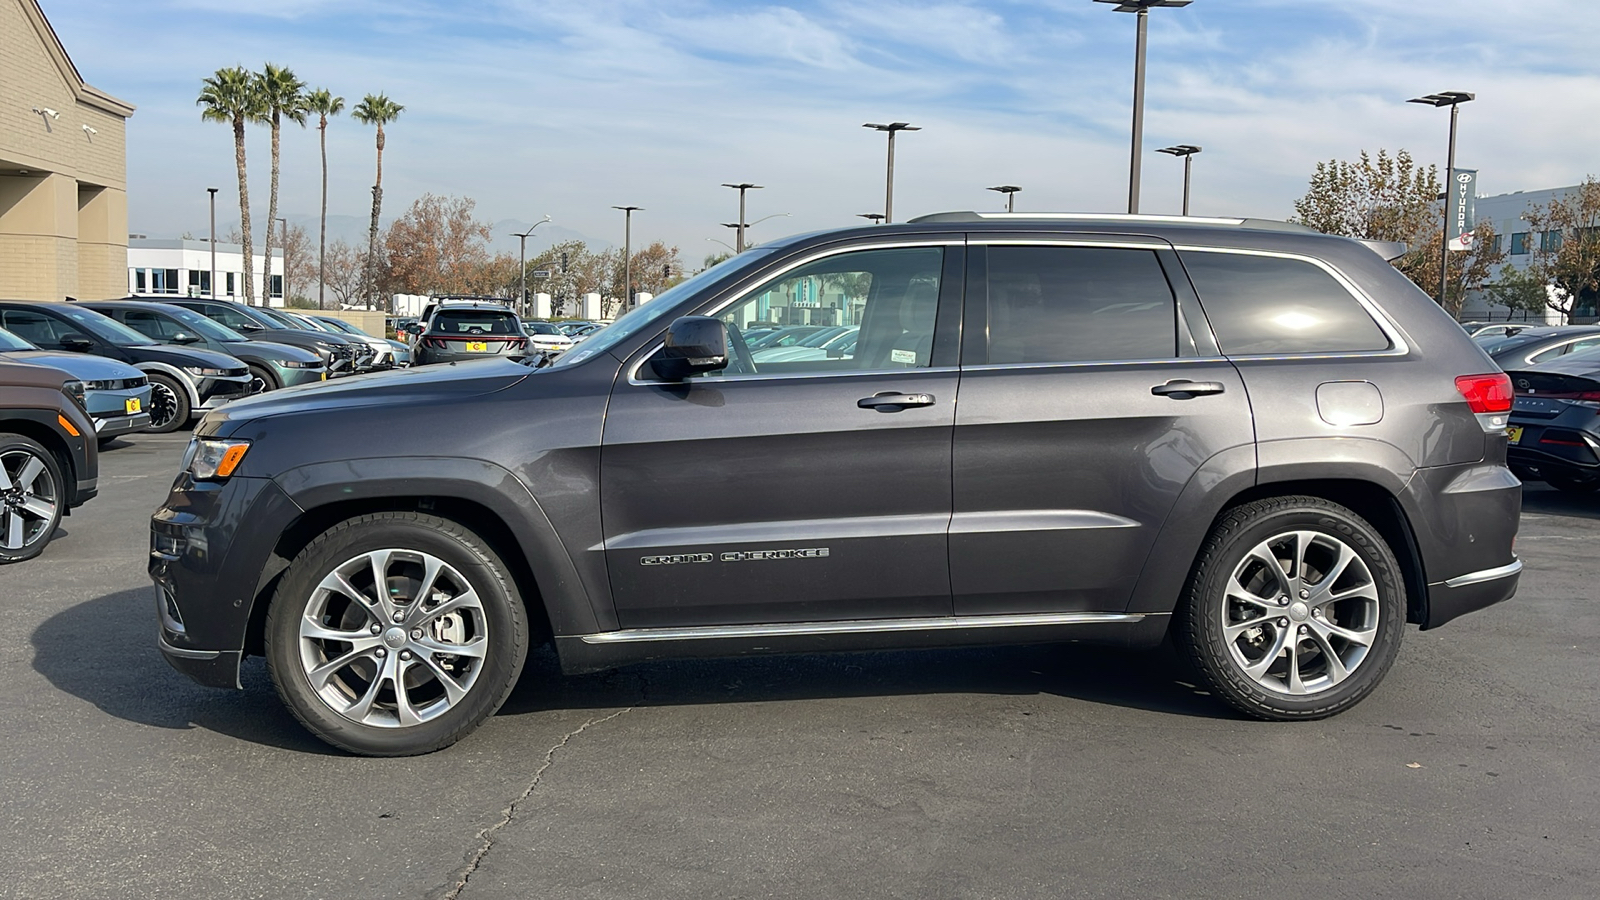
(1566,251)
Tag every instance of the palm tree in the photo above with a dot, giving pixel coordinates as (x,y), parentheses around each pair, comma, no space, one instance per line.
(282,97)
(230,96)
(375,109)
(324,104)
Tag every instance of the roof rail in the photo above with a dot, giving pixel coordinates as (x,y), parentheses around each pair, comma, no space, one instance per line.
(1236,222)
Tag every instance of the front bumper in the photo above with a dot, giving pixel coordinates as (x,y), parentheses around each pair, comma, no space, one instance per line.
(217,390)
(291,377)
(110,426)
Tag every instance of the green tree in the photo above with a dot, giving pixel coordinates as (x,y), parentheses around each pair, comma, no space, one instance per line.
(1517,290)
(324,104)
(1390,198)
(1566,255)
(230,97)
(282,97)
(377,110)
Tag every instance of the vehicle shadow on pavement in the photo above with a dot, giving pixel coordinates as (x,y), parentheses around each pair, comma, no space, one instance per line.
(1537,498)
(125,676)
(1156,680)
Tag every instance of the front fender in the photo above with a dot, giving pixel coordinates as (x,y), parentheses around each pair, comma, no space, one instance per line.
(567,599)
(174,372)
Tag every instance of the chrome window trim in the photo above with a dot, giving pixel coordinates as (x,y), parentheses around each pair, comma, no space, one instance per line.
(1132,218)
(1154,361)
(1121,242)
(822,253)
(1399,346)
(857,626)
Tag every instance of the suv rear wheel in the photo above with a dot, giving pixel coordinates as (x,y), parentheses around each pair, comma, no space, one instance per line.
(1295,609)
(395,633)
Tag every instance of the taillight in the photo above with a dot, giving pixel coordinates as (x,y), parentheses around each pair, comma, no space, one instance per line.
(1486,393)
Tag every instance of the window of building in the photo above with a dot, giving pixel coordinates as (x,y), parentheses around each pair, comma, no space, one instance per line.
(230,284)
(277,285)
(1550,241)
(199,283)
(1078,304)
(1268,304)
(1519,244)
(140,280)
(1497,245)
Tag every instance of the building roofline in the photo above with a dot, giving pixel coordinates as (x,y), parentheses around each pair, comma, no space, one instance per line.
(82,91)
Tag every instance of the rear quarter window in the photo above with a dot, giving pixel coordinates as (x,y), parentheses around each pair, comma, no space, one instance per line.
(1272,305)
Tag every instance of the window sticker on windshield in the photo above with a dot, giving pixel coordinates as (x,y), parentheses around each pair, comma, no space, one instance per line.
(903,356)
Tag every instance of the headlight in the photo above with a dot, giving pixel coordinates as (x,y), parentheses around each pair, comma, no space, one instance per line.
(292,364)
(202,371)
(210,459)
(74,389)
(327,345)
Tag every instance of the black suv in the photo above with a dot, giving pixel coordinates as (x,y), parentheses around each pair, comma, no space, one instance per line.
(463,330)
(338,354)
(184,382)
(1260,440)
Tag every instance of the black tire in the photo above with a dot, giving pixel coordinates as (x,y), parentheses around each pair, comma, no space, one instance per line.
(169,404)
(17,452)
(1301,631)
(1573,484)
(261,379)
(289,654)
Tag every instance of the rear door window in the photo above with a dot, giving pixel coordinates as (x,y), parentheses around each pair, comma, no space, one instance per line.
(1274,305)
(1078,304)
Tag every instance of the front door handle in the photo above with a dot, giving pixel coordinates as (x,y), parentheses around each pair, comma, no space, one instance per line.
(1182,389)
(894,402)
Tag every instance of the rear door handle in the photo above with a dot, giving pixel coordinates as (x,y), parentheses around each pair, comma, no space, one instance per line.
(894,402)
(1182,389)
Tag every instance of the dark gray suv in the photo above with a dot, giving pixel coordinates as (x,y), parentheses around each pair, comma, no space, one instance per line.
(1260,440)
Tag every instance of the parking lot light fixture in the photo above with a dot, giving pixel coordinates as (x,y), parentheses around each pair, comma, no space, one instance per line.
(627,254)
(213,193)
(1010,190)
(890,129)
(1142,9)
(1187,151)
(876,218)
(522,265)
(1452,99)
(741,187)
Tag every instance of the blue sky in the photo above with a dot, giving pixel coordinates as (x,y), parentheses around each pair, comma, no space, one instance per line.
(536,107)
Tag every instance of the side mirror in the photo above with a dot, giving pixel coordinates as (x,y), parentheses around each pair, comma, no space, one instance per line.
(694,344)
(184,337)
(414,328)
(77,343)
(249,326)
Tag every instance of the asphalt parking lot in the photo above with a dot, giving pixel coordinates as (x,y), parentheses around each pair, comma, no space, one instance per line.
(1045,772)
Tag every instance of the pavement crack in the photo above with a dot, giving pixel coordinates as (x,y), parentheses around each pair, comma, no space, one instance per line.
(486,837)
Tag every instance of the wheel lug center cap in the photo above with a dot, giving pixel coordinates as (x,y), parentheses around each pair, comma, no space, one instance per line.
(394,637)
(1299,611)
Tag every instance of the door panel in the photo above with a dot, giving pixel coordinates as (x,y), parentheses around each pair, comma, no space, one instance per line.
(1072,443)
(767,492)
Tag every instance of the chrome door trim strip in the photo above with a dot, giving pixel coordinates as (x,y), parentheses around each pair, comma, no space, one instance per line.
(788,531)
(1005,521)
(858,626)
(1479,577)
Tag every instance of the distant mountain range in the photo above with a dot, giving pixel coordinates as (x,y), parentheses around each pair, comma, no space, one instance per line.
(353,230)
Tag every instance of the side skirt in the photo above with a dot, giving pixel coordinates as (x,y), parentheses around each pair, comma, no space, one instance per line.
(582,653)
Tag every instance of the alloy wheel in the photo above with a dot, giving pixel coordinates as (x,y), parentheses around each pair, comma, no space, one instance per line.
(1301,612)
(393,638)
(28,499)
(163,405)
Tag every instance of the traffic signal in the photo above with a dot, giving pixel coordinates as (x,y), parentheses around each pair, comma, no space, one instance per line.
(563,264)
(666,270)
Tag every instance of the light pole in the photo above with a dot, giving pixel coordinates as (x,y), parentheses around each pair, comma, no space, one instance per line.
(875,218)
(1452,99)
(522,265)
(741,188)
(213,193)
(285,242)
(627,254)
(1010,190)
(888,195)
(1187,151)
(1142,8)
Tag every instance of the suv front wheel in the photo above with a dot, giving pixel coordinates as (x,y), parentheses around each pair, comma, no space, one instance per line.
(1294,610)
(395,633)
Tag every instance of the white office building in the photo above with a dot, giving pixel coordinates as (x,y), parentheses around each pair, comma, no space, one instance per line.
(1504,213)
(182,268)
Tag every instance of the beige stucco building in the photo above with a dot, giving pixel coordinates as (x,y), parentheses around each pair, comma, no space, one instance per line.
(63,170)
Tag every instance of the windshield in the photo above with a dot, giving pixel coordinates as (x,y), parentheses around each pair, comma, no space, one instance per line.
(280,319)
(206,328)
(9,341)
(106,328)
(653,314)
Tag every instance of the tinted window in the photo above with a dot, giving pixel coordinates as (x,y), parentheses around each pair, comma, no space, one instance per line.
(473,321)
(1078,304)
(9,341)
(33,327)
(1264,304)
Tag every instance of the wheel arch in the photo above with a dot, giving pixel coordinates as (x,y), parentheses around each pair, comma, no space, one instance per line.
(57,447)
(172,371)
